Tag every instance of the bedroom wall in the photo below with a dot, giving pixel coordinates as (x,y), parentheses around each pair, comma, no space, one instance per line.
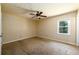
(47,28)
(17,28)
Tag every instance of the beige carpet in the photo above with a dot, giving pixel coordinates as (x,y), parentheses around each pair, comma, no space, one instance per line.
(39,46)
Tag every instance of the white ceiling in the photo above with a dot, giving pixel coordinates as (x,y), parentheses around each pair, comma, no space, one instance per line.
(49,9)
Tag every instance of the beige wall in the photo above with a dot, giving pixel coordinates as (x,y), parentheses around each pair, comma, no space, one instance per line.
(17,28)
(47,28)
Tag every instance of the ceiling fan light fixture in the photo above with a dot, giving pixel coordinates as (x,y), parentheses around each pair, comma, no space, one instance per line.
(38,15)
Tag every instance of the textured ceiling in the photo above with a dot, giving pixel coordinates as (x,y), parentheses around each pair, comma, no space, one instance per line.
(49,9)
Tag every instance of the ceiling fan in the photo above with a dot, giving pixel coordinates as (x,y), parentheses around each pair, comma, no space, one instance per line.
(38,15)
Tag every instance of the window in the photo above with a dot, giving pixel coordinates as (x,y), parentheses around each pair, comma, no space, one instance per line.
(63,27)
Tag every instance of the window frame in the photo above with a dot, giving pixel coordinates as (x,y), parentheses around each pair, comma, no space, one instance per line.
(58,27)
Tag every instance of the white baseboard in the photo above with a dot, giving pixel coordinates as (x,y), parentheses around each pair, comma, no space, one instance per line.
(46,37)
(19,39)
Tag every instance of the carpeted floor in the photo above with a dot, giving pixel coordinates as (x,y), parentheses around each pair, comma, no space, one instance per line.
(39,46)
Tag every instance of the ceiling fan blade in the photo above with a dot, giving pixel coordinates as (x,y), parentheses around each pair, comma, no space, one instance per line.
(43,16)
(32,14)
(40,12)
